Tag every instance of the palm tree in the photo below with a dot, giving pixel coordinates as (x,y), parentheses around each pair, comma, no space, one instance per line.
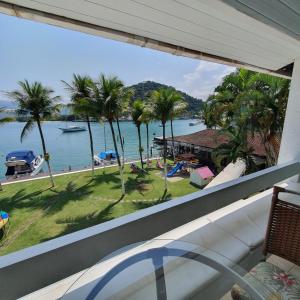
(259,98)
(178,107)
(208,113)
(223,104)
(111,95)
(137,115)
(124,98)
(266,104)
(146,118)
(83,104)
(236,148)
(163,105)
(36,101)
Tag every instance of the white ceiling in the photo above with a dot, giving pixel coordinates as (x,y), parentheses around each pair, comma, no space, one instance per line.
(281,14)
(208,26)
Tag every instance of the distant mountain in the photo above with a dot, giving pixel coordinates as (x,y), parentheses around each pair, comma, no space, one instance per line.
(143,89)
(7,104)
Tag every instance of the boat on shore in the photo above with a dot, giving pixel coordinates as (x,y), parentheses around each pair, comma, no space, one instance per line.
(72,129)
(194,123)
(105,158)
(22,163)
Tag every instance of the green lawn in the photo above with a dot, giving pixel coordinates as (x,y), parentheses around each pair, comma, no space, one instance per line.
(38,213)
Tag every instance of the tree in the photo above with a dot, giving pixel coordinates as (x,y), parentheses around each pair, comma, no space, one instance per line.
(223,106)
(83,105)
(178,107)
(146,118)
(163,105)
(236,148)
(137,111)
(260,99)
(125,95)
(265,106)
(111,95)
(36,101)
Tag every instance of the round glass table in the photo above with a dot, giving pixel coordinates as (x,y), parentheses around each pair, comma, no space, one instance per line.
(163,269)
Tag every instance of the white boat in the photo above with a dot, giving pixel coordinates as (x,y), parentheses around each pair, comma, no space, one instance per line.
(22,163)
(105,158)
(73,129)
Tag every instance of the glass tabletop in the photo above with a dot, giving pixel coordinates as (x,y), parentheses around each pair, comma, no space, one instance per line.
(163,269)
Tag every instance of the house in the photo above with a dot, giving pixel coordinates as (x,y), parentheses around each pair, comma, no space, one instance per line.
(201,176)
(203,143)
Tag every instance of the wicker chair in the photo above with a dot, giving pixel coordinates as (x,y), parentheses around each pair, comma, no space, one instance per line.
(282,239)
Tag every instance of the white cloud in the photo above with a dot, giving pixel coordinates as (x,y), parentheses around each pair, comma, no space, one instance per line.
(202,81)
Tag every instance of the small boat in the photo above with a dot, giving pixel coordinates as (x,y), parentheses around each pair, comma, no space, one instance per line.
(194,123)
(23,162)
(105,158)
(73,129)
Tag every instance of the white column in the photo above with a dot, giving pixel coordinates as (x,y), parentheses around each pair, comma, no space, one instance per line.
(290,141)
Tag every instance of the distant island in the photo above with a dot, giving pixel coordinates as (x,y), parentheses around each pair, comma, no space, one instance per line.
(142,90)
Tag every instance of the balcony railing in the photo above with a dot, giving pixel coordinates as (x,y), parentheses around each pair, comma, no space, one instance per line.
(30,269)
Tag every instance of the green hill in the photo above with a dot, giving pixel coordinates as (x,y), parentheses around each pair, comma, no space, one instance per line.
(143,89)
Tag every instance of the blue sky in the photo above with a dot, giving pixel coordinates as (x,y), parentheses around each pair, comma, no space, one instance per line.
(36,51)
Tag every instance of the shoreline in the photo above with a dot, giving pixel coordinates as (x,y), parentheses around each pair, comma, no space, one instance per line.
(45,175)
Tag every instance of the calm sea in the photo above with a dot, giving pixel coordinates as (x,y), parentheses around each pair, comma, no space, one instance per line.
(72,149)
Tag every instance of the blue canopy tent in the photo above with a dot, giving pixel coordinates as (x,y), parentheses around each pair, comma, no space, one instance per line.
(108,154)
(26,155)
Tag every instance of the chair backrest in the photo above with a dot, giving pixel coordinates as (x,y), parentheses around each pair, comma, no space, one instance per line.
(283,231)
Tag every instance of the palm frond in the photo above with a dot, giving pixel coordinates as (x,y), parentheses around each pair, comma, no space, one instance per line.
(27,128)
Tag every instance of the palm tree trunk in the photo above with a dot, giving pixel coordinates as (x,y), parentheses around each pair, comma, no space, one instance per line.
(91,145)
(118,157)
(121,142)
(104,132)
(46,155)
(165,154)
(119,132)
(105,144)
(147,130)
(172,133)
(140,145)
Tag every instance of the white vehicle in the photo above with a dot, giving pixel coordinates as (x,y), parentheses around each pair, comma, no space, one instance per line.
(105,158)
(73,129)
(22,163)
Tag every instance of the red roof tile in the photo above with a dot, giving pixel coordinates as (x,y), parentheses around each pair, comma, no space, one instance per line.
(212,138)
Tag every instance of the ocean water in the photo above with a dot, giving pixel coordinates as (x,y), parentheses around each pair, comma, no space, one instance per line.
(72,149)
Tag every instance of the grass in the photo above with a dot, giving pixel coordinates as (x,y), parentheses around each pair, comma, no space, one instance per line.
(38,213)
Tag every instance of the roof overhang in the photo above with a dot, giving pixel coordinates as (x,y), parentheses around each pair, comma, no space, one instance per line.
(209,30)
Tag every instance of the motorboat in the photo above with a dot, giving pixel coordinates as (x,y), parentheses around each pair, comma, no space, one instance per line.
(105,158)
(194,123)
(72,129)
(23,162)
